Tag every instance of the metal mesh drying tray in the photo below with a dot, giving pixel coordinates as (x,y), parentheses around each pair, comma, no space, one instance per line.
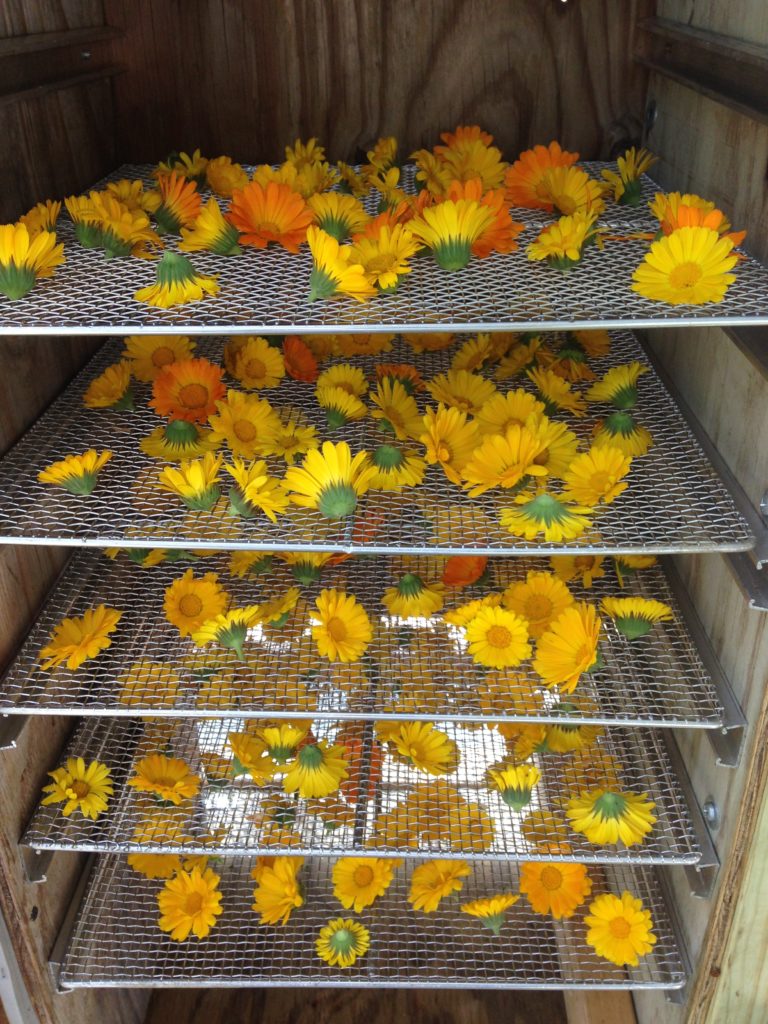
(675,502)
(116,941)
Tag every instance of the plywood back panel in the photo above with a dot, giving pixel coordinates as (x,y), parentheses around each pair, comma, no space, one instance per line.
(245,78)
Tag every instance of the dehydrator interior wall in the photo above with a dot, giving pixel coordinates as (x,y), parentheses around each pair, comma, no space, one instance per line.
(87,86)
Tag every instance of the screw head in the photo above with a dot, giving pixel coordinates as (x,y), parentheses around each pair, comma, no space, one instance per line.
(711,813)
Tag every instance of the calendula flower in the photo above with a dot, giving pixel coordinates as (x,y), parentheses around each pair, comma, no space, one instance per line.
(635,616)
(491,910)
(412,596)
(618,386)
(628,565)
(77,640)
(282,740)
(587,568)
(247,424)
(255,490)
(169,778)
(224,176)
(193,167)
(209,232)
(396,467)
(547,514)
(176,283)
(562,244)
(619,928)
(273,212)
(512,409)
(180,203)
(334,270)
(359,881)
(501,233)
(346,377)
(278,892)
(556,889)
(539,600)
(691,266)
(338,215)
(556,393)
(195,481)
(571,190)
(563,738)
(103,222)
(178,440)
(432,342)
(190,903)
(317,771)
(80,787)
(154,865)
(503,460)
(515,783)
(342,941)
(363,344)
(569,647)
(621,430)
(450,229)
(299,360)
(463,570)
(675,211)
(229,629)
(188,390)
(626,185)
(24,258)
(465,613)
(250,563)
(304,154)
(251,757)
(257,364)
(498,638)
(342,629)
(461,390)
(425,747)
(524,180)
(340,407)
(275,613)
(330,479)
(473,159)
(597,475)
(76,473)
(191,601)
(433,881)
(384,259)
(42,217)
(150,354)
(396,411)
(306,566)
(111,389)
(610,816)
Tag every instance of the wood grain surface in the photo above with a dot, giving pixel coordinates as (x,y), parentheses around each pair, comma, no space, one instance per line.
(247,78)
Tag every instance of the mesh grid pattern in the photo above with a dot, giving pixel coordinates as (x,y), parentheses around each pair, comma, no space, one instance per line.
(234,818)
(266,291)
(675,502)
(657,680)
(116,940)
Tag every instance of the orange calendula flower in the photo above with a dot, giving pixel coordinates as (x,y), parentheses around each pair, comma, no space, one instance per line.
(270,213)
(300,362)
(180,205)
(188,390)
(224,176)
(524,180)
(464,570)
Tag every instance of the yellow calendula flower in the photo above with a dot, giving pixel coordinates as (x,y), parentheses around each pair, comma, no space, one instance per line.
(625,182)
(556,889)
(425,747)
(473,354)
(501,412)
(191,601)
(491,910)
(690,266)
(433,881)
(556,393)
(281,740)
(255,490)
(562,244)
(278,892)
(342,941)
(432,342)
(628,565)
(586,568)
(149,354)
(341,629)
(619,929)
(465,613)
(569,647)
(498,638)
(176,283)
(618,386)
(155,865)
(597,475)
(76,473)
(504,460)
(607,816)
(384,257)
(178,441)
(251,757)
(169,778)
(539,600)
(334,271)
(346,377)
(247,424)
(460,389)
(560,446)
(450,228)
(306,566)
(359,881)
(338,215)
(563,738)
(515,783)
(571,190)
(24,258)
(621,430)
(190,904)
(192,167)
(256,364)
(450,439)
(293,438)
(80,787)
(396,411)
(111,389)
(149,683)
(42,217)
(210,233)
(340,407)
(412,596)
(250,563)
(225,177)
(195,481)
(229,629)
(547,514)
(317,771)
(77,640)
(635,616)
(330,479)
(396,467)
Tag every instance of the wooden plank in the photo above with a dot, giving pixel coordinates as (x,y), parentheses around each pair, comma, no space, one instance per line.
(744,97)
(36,92)
(741,19)
(351,70)
(599,1007)
(15,46)
(26,17)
